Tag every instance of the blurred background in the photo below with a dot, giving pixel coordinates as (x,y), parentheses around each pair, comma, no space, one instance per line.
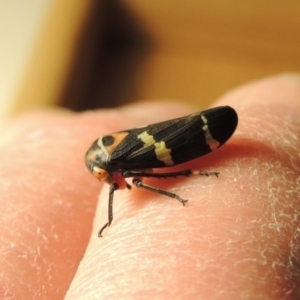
(83,54)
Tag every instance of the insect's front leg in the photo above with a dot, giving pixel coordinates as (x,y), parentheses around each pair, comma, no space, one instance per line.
(112,189)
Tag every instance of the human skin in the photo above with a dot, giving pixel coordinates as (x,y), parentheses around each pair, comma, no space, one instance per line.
(238,237)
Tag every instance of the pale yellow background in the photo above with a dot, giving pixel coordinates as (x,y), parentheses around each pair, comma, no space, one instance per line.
(202,48)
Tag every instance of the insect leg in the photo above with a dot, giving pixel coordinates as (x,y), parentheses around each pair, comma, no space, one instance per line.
(138,183)
(112,189)
(186,173)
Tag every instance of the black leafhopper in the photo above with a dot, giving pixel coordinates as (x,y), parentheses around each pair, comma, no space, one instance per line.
(135,152)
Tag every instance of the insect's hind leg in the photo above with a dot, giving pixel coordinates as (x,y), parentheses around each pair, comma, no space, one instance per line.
(185,173)
(138,183)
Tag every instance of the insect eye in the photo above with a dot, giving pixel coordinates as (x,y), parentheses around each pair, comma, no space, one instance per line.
(100,173)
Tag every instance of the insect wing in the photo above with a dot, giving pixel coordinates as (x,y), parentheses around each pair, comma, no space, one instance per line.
(175,141)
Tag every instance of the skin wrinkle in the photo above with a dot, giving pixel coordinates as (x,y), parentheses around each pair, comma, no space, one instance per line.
(275,194)
(294,262)
(31,225)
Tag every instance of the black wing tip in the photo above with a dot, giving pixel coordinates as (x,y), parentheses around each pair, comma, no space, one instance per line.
(230,122)
(232,116)
(223,110)
(222,122)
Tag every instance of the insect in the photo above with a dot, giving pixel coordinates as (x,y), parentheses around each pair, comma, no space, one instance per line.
(135,152)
